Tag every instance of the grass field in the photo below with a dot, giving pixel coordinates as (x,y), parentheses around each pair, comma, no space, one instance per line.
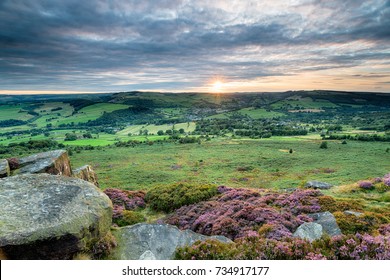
(260,113)
(306,103)
(13,112)
(91,112)
(153,129)
(237,163)
(251,112)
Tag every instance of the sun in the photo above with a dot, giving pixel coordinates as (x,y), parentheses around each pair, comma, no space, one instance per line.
(217,85)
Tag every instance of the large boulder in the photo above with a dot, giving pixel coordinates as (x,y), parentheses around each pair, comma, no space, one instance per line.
(154,241)
(45,216)
(86,173)
(318,185)
(327,221)
(53,162)
(309,231)
(4,168)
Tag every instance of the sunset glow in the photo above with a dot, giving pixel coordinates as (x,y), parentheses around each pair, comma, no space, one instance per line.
(108,46)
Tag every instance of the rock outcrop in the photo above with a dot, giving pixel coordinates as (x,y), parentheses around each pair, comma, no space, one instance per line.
(327,221)
(4,168)
(154,241)
(354,213)
(318,185)
(309,231)
(45,216)
(86,173)
(53,162)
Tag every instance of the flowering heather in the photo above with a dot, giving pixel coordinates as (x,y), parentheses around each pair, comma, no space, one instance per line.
(377,180)
(384,229)
(342,247)
(130,200)
(123,201)
(386,180)
(239,212)
(366,185)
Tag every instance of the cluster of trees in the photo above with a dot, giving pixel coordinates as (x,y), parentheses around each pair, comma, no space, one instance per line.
(73,136)
(243,126)
(11,122)
(359,137)
(32,145)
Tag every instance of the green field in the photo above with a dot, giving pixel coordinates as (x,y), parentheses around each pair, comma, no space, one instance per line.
(13,112)
(306,103)
(260,113)
(153,129)
(237,163)
(91,112)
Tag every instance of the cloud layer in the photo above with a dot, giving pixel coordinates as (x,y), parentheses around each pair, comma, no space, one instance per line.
(182,45)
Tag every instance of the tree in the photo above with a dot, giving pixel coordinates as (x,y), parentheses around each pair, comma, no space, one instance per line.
(324,145)
(70,137)
(160,132)
(87,135)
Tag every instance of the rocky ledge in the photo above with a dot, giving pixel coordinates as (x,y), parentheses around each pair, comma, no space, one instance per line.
(154,241)
(45,216)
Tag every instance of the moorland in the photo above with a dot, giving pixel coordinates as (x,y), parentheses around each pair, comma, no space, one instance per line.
(157,144)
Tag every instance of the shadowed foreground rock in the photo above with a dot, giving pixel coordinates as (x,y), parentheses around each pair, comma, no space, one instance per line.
(86,173)
(4,168)
(53,162)
(152,241)
(50,217)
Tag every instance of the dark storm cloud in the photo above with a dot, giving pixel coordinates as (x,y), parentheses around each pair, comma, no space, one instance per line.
(79,43)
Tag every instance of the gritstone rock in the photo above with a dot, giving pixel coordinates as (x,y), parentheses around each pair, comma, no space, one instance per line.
(86,173)
(309,231)
(135,241)
(350,212)
(148,255)
(327,221)
(53,162)
(318,185)
(45,216)
(4,168)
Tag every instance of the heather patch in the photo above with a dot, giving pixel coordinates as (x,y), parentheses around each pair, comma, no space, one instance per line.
(238,213)
(123,203)
(366,185)
(342,247)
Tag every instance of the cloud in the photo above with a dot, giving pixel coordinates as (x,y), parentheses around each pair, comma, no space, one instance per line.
(68,44)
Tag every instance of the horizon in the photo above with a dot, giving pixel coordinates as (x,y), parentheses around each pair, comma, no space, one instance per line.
(179,46)
(189,92)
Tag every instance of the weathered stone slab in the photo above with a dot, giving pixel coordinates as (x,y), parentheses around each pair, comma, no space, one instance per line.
(44,216)
(53,162)
(4,168)
(152,240)
(86,173)
(354,213)
(309,231)
(327,221)
(318,185)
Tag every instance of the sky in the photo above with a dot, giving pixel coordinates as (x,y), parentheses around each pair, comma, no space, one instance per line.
(56,46)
